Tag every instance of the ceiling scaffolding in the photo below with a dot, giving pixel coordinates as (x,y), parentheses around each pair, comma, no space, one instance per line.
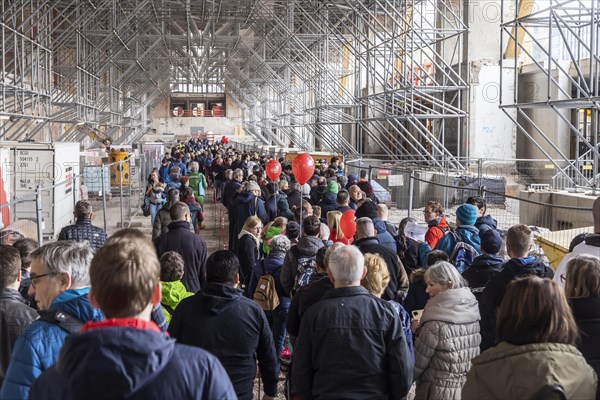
(378,76)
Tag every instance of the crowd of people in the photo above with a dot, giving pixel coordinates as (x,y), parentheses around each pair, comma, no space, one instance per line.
(318,288)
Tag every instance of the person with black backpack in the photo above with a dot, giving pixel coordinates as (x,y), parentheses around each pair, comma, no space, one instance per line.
(300,258)
(463,244)
(60,283)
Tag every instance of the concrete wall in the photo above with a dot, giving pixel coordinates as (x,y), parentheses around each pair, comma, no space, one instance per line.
(492,133)
(556,218)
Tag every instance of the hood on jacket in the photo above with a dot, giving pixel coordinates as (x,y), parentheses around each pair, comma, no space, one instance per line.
(246,197)
(76,303)
(309,245)
(380,226)
(486,220)
(329,198)
(271,232)
(173,293)
(118,363)
(527,266)
(273,262)
(457,306)
(217,297)
(487,261)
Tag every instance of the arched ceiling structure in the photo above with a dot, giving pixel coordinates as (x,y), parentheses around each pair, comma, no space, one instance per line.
(378,76)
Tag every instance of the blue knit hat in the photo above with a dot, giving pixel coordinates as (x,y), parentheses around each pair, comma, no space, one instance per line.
(466,214)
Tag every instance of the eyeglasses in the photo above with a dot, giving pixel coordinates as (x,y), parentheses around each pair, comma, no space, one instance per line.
(33,278)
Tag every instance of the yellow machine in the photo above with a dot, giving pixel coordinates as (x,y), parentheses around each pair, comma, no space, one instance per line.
(119,172)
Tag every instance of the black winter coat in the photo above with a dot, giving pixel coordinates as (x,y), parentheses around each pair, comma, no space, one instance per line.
(248,253)
(246,205)
(351,346)
(408,252)
(328,203)
(586,311)
(82,231)
(192,248)
(398,277)
(230,193)
(304,298)
(496,288)
(15,317)
(486,222)
(480,272)
(417,296)
(233,328)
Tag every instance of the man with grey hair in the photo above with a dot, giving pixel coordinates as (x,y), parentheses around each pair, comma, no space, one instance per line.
(191,246)
(60,283)
(383,214)
(367,242)
(349,321)
(83,230)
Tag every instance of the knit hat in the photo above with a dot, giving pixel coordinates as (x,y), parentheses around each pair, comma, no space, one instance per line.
(352,178)
(292,230)
(491,242)
(466,214)
(333,187)
(280,244)
(251,185)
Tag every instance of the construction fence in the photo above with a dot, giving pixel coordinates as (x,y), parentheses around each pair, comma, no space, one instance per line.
(115,190)
(555,216)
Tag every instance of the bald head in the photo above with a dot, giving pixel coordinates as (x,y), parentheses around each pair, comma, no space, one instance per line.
(364,228)
(596,214)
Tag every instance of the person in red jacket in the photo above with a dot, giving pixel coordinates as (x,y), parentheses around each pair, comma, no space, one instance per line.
(437,224)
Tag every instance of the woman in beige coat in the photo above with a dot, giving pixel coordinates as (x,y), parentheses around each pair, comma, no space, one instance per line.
(447,334)
(536,352)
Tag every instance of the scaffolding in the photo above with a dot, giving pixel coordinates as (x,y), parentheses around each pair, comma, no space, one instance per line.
(552,47)
(384,77)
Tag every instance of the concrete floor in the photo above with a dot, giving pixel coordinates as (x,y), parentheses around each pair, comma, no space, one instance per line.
(215,233)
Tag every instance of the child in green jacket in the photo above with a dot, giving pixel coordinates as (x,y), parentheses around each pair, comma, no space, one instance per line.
(173,291)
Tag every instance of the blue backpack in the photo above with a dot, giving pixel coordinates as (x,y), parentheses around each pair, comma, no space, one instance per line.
(463,254)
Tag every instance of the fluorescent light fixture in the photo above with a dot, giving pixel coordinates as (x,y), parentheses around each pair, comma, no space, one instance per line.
(4,117)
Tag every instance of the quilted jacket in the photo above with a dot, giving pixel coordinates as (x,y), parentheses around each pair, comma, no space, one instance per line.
(447,340)
(82,231)
(37,349)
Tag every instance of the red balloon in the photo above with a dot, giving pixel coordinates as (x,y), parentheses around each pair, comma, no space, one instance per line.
(273,169)
(348,224)
(303,168)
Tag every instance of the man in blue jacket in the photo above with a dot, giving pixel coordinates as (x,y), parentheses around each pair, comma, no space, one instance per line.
(126,356)
(60,284)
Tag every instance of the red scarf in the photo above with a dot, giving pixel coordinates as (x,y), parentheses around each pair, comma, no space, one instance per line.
(121,322)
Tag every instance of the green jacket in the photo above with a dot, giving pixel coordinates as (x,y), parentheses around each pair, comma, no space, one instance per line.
(198,185)
(172,294)
(509,371)
(271,233)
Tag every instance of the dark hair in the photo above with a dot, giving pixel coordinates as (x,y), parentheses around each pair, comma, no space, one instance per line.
(83,209)
(477,201)
(535,310)
(320,257)
(311,225)
(171,266)
(272,188)
(187,192)
(436,255)
(25,247)
(401,238)
(343,196)
(10,265)
(178,211)
(222,267)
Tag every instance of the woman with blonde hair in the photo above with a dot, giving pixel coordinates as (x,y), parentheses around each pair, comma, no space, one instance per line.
(536,356)
(582,289)
(247,249)
(376,281)
(447,334)
(336,233)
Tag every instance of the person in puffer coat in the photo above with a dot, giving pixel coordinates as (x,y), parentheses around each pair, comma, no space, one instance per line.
(60,283)
(447,335)
(537,335)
